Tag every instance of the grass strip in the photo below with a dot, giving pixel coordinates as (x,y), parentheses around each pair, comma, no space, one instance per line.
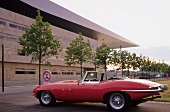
(165,96)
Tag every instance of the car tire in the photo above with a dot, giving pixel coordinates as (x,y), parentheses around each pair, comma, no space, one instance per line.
(46,99)
(118,102)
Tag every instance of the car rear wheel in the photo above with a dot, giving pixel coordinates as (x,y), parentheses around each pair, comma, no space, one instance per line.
(117,102)
(46,98)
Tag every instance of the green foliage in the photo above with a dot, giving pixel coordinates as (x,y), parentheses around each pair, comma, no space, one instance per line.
(122,57)
(125,60)
(135,61)
(78,52)
(94,60)
(103,56)
(39,42)
(114,60)
(129,62)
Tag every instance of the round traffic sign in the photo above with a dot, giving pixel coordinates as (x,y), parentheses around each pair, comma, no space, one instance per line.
(47,76)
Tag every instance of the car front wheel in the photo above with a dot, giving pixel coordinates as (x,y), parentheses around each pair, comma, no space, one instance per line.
(117,102)
(47,99)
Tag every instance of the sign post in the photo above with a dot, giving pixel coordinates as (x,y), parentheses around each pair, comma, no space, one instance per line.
(167,76)
(2,68)
(47,77)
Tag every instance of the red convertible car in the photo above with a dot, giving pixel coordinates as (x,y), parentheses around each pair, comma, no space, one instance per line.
(117,93)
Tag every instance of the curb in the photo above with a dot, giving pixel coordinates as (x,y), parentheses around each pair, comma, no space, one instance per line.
(159,102)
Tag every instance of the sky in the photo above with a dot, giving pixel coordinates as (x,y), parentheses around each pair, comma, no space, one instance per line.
(145,22)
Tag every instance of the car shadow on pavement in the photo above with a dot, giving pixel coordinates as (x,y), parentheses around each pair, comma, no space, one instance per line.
(83,107)
(72,107)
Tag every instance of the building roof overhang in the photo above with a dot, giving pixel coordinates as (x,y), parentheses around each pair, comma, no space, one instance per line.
(63,18)
(113,40)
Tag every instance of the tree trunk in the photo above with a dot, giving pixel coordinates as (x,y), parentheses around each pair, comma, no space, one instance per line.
(128,72)
(142,72)
(40,64)
(105,71)
(81,68)
(122,70)
(39,72)
(95,66)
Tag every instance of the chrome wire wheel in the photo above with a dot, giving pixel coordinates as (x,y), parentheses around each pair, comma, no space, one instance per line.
(117,101)
(46,97)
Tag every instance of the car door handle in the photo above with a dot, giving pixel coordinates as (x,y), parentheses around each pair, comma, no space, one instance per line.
(94,85)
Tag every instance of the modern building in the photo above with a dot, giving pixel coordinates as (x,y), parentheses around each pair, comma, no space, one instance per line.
(17,15)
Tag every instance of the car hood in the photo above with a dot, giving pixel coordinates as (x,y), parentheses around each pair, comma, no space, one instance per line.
(143,81)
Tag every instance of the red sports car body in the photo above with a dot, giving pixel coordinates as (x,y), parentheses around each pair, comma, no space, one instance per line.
(117,93)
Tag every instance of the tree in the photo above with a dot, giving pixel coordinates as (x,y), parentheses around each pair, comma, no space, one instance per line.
(78,52)
(164,67)
(94,61)
(142,63)
(129,62)
(122,59)
(103,56)
(114,57)
(139,61)
(39,42)
(147,66)
(135,62)
(153,67)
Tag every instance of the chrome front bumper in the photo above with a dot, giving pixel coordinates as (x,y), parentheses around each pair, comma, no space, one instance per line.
(164,86)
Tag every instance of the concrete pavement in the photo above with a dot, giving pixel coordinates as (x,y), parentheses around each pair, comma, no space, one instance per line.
(25,102)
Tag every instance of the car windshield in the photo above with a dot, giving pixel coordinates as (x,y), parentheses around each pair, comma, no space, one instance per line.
(92,76)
